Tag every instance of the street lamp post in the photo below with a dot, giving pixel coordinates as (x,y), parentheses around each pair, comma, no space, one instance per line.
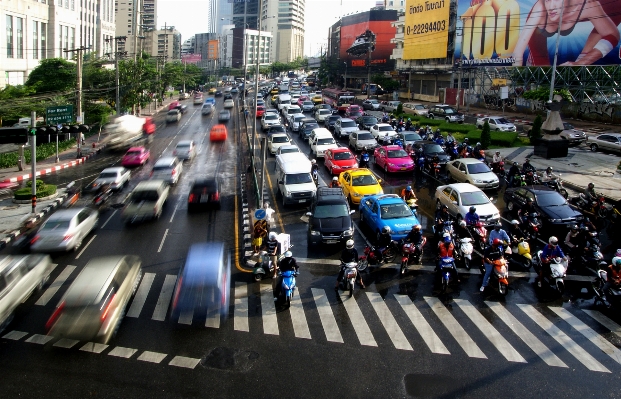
(345,78)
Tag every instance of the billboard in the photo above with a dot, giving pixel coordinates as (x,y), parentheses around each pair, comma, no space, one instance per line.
(191,58)
(212,50)
(524,32)
(426,29)
(378,22)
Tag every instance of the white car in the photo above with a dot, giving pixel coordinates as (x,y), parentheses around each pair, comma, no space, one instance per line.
(381,129)
(307,106)
(473,171)
(322,114)
(459,197)
(321,141)
(185,149)
(277,140)
(269,119)
(117,177)
(65,230)
(229,103)
(295,121)
(173,116)
(496,123)
(291,110)
(284,149)
(371,104)
(415,109)
(360,139)
(344,127)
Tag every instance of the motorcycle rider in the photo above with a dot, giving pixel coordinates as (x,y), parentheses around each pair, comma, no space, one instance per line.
(461,231)
(528,210)
(273,249)
(364,163)
(513,171)
(446,249)
(575,241)
(415,236)
(449,138)
(516,230)
(335,183)
(491,253)
(287,264)
(349,254)
(613,279)
(527,167)
(476,153)
(499,233)
(548,175)
(471,218)
(552,250)
(442,215)
(407,194)
(496,158)
(589,195)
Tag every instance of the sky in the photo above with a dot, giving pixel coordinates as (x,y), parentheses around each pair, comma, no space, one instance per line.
(188,17)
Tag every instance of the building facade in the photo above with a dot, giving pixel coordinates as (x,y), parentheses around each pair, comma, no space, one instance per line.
(285,21)
(164,43)
(241,47)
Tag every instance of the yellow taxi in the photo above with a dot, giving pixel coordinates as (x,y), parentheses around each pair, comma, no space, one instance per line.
(212,90)
(274,90)
(317,99)
(357,183)
(274,98)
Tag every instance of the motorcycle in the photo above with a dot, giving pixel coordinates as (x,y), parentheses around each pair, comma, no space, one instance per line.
(73,195)
(613,296)
(103,196)
(411,253)
(398,142)
(531,224)
(447,267)
(531,179)
(433,168)
(557,272)
(420,164)
(518,181)
(451,151)
(264,267)
(364,161)
(592,256)
(499,168)
(412,205)
(597,208)
(463,250)
(373,255)
(520,252)
(555,183)
(479,234)
(349,277)
(501,274)
(315,175)
(288,285)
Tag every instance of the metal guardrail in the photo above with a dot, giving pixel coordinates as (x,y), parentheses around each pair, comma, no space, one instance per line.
(249,133)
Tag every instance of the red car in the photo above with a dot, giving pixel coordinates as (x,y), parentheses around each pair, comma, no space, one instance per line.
(218,133)
(260,111)
(340,159)
(356,109)
(301,100)
(135,156)
(393,158)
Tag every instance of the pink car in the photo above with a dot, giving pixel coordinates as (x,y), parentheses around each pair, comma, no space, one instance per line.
(301,100)
(136,156)
(393,158)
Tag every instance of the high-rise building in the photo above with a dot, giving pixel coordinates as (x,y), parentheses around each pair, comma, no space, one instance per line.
(188,46)
(285,21)
(398,5)
(135,18)
(241,14)
(165,43)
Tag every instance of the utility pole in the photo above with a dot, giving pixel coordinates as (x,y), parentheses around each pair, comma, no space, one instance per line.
(80,62)
(256,90)
(33,159)
(117,100)
(136,27)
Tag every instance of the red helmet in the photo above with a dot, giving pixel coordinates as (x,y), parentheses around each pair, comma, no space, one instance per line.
(496,241)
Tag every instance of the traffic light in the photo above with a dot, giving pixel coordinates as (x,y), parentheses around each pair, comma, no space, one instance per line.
(13,135)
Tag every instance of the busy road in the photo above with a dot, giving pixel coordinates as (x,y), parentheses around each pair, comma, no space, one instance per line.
(400,337)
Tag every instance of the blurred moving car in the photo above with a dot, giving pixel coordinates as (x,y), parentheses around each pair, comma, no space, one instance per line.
(136,156)
(93,307)
(203,285)
(146,201)
(207,109)
(228,103)
(185,150)
(204,193)
(260,111)
(20,276)
(573,135)
(65,230)
(218,133)
(496,123)
(605,142)
(224,115)
(268,120)
(116,177)
(173,116)
(371,104)
(168,169)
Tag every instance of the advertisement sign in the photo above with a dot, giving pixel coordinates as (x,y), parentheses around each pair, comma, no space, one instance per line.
(379,23)
(212,50)
(426,29)
(191,58)
(59,114)
(524,32)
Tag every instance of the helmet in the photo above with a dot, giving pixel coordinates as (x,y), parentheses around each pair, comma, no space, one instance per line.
(591,186)
(515,222)
(527,160)
(408,188)
(478,144)
(497,152)
(472,209)
(417,227)
(438,130)
(386,229)
(515,164)
(496,241)
(466,140)
(574,227)
(313,161)
(349,244)
(444,208)
(266,205)
(553,240)
(272,236)
(364,148)
(617,263)
(549,169)
(288,254)
(335,178)
(497,225)
(409,120)
(462,223)
(618,253)
(447,237)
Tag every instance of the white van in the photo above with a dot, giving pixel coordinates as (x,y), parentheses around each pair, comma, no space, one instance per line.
(283,99)
(294,179)
(321,140)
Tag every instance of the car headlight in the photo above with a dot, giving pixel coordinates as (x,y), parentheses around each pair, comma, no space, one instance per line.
(356,195)
(556,220)
(315,233)
(287,193)
(348,232)
(477,181)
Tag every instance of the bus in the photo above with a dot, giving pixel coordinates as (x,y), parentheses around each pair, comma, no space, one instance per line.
(338,98)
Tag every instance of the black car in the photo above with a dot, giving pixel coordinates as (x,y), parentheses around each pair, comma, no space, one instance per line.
(431,149)
(329,123)
(228,96)
(306,127)
(366,122)
(329,219)
(218,93)
(224,115)
(552,207)
(204,193)
(182,108)
(276,129)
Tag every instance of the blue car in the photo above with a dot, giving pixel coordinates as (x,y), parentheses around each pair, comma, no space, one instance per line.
(380,210)
(210,100)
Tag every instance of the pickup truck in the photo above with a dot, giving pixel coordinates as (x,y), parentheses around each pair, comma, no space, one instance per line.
(146,201)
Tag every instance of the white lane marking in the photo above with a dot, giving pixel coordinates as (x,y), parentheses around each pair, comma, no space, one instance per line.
(15,335)
(212,319)
(40,339)
(182,361)
(121,351)
(55,286)
(152,357)
(422,326)
(185,317)
(86,246)
(365,336)
(605,321)
(270,322)
(163,239)
(66,343)
(141,295)
(109,218)
(490,332)
(298,319)
(240,313)
(174,211)
(161,308)
(456,330)
(569,344)
(326,316)
(529,338)
(93,347)
(589,333)
(388,321)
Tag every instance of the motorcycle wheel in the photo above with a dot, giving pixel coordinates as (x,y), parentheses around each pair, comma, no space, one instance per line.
(351,290)
(560,286)
(527,264)
(482,245)
(363,264)
(390,255)
(444,285)
(403,268)
(502,289)
(258,277)
(288,301)
(467,263)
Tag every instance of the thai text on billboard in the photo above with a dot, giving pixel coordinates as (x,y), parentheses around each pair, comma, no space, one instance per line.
(191,58)
(426,29)
(212,49)
(524,32)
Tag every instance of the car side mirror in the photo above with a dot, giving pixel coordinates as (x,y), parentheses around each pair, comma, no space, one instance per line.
(454,202)
(280,182)
(379,181)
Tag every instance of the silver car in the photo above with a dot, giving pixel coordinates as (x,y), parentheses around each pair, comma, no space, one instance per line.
(65,230)
(344,126)
(185,150)
(459,197)
(607,142)
(361,139)
(168,169)
(116,178)
(573,135)
(473,171)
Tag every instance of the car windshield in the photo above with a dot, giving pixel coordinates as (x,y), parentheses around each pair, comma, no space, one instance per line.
(395,211)
(369,120)
(567,126)
(56,225)
(269,117)
(308,103)
(348,124)
(448,111)
(324,112)
(277,129)
(331,211)
(183,146)
(326,141)
(550,199)
(433,149)
(298,118)
(474,198)
(298,178)
(286,150)
(475,168)
(412,137)
(503,121)
(365,136)
(340,156)
(144,195)
(373,101)
(173,112)
(107,175)
(364,180)
(419,107)
(280,139)
(333,118)
(397,153)
(133,153)
(386,129)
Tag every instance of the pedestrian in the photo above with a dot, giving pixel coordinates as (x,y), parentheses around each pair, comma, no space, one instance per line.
(259,232)
(82,138)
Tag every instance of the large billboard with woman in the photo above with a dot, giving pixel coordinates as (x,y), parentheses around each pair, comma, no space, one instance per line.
(524,32)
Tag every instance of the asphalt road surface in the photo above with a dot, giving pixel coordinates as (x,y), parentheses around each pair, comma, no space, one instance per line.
(398,338)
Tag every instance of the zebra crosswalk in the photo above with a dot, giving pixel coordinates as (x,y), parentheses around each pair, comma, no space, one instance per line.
(518,333)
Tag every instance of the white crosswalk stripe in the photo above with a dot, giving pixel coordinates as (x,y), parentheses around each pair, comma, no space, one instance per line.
(390,324)
(559,336)
(330,328)
(55,286)
(240,313)
(529,338)
(422,326)
(605,321)
(298,318)
(141,295)
(161,308)
(270,321)
(357,320)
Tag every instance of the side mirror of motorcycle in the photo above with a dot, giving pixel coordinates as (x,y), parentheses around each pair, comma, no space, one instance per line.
(309,214)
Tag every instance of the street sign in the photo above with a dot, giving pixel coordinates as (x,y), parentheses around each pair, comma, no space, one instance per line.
(259,214)
(59,114)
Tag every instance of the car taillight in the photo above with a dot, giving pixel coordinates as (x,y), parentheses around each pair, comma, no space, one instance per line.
(174,172)
(67,237)
(55,316)
(191,198)
(107,309)
(216,196)
(177,291)
(35,239)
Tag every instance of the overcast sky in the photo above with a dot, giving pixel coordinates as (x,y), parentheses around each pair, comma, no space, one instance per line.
(188,17)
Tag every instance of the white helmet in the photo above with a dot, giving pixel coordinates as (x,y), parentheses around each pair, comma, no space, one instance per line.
(553,240)
(272,236)
(288,254)
(462,223)
(515,222)
(349,244)
(335,178)
(313,161)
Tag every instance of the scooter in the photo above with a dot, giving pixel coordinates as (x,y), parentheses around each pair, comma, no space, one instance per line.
(447,267)
(499,168)
(531,224)
(433,168)
(613,296)
(479,234)
(73,195)
(520,252)
(263,268)
(558,271)
(102,197)
(555,183)
(411,253)
(288,285)
(315,175)
(464,249)
(349,277)
(373,255)
(364,160)
(592,256)
(501,274)
(532,178)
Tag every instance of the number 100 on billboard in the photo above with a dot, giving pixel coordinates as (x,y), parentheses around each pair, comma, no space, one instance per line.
(426,29)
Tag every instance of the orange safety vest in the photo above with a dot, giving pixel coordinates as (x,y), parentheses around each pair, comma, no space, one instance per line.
(445,251)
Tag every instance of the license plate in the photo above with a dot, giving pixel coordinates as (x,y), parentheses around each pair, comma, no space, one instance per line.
(302,200)
(404,168)
(204,198)
(331,241)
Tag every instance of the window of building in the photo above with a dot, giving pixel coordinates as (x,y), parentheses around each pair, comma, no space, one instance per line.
(72,39)
(9,36)
(43,40)
(35,40)
(19,42)
(66,3)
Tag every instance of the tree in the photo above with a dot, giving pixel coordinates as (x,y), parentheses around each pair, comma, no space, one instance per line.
(486,136)
(387,83)
(535,132)
(543,94)
(53,75)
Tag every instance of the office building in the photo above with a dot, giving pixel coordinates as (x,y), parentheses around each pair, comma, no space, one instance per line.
(285,21)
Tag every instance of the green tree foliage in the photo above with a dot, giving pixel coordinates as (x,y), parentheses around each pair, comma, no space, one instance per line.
(543,94)
(535,132)
(486,136)
(387,83)
(53,75)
